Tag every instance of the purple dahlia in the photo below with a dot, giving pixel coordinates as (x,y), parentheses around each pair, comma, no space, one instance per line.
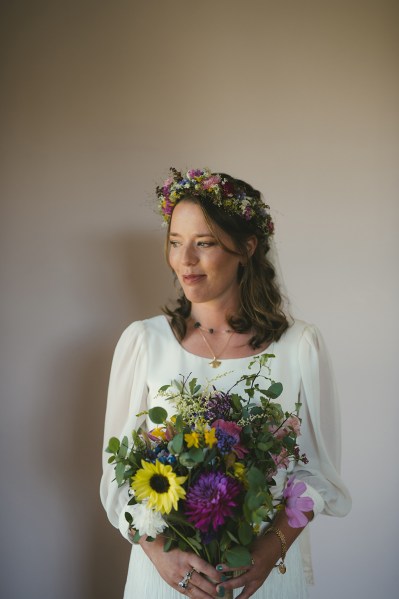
(211,500)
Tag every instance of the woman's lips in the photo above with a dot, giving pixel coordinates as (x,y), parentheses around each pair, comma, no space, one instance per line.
(192,279)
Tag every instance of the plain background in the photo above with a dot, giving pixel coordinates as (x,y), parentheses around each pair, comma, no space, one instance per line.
(98,99)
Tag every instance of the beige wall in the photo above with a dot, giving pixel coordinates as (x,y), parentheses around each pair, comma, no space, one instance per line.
(98,100)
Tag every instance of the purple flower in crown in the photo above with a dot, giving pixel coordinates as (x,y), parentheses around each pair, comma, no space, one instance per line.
(228,188)
(168,207)
(211,500)
(248,213)
(195,172)
(295,505)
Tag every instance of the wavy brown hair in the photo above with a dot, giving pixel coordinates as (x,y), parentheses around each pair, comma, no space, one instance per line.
(260,303)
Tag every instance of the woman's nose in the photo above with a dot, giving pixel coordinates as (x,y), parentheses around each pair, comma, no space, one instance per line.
(189,255)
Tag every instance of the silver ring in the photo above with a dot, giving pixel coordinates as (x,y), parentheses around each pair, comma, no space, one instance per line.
(186,579)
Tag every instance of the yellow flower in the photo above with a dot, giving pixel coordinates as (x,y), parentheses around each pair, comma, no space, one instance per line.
(192,439)
(160,485)
(159,432)
(239,473)
(210,437)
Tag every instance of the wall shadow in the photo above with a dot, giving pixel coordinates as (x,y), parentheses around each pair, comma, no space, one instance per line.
(75,404)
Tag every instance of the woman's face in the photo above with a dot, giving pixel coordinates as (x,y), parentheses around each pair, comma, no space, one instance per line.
(206,271)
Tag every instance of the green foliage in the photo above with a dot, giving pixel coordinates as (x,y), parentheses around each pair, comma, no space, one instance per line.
(176,445)
(258,417)
(113,445)
(274,391)
(157,415)
(238,556)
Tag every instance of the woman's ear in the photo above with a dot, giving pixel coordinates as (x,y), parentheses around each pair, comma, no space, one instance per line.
(251,245)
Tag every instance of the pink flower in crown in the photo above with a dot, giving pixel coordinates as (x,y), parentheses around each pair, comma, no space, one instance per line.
(213,180)
(166,185)
(295,505)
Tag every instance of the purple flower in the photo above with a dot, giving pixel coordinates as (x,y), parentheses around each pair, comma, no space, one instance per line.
(228,436)
(295,505)
(195,172)
(211,500)
(218,406)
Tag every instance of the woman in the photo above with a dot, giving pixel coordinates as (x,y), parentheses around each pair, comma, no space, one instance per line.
(229,310)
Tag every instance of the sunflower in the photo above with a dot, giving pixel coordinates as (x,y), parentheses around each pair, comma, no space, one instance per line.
(160,485)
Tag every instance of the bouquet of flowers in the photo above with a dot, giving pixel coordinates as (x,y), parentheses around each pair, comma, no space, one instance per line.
(204,478)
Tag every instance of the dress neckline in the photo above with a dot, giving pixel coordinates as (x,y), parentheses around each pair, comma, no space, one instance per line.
(268,349)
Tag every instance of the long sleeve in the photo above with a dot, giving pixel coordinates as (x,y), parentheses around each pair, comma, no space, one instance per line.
(321,436)
(127,395)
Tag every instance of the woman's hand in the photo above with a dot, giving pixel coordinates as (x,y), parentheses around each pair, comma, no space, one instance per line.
(265,553)
(173,565)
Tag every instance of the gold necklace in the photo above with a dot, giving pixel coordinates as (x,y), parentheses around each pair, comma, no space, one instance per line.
(215,363)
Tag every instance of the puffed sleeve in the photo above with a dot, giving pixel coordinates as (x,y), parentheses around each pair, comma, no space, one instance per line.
(127,395)
(320,430)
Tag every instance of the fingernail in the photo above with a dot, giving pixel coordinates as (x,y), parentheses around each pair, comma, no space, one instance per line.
(219,567)
(221,592)
(224,577)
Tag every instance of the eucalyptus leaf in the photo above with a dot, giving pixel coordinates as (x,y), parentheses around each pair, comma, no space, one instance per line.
(186,460)
(196,454)
(245,533)
(157,415)
(264,446)
(123,448)
(119,473)
(163,388)
(167,545)
(237,557)
(113,445)
(232,537)
(274,391)
(176,445)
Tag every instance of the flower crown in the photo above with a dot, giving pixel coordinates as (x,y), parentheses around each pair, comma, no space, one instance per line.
(223,191)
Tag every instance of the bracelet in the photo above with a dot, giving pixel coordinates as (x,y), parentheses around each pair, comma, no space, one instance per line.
(280,565)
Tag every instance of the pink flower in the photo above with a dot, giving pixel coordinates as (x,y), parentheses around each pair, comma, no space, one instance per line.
(295,505)
(214,180)
(228,436)
(281,460)
(291,424)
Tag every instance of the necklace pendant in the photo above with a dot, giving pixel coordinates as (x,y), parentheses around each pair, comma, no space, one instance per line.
(215,363)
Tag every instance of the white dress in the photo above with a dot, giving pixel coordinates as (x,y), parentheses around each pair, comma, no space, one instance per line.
(148,356)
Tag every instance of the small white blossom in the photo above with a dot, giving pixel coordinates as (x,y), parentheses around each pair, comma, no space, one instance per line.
(146,520)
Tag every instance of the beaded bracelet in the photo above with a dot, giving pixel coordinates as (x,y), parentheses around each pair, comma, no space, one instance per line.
(280,565)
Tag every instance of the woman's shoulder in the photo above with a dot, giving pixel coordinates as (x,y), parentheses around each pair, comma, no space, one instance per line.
(145,328)
(299,331)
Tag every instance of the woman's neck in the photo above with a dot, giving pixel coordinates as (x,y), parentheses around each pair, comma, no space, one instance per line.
(209,318)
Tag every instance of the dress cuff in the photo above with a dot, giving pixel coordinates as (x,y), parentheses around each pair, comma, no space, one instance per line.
(318,501)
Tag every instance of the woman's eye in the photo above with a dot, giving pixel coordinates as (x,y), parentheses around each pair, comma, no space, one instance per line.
(206,244)
(174,244)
